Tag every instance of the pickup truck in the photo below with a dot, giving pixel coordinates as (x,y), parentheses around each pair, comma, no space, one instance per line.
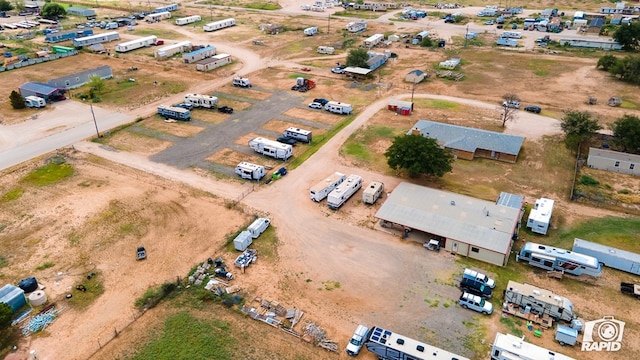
(630,289)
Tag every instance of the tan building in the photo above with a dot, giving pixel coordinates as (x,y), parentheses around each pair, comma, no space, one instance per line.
(614,161)
(213,62)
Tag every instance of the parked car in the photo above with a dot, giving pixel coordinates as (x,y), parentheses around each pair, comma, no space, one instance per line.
(476,303)
(489,22)
(514,26)
(306,69)
(322,101)
(339,69)
(476,288)
(499,26)
(511,104)
(287,140)
(449,20)
(315,105)
(225,110)
(533,108)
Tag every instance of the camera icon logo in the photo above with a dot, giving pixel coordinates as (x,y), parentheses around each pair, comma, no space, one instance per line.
(603,335)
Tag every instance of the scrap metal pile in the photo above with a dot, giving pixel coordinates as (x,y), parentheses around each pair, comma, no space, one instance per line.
(450,75)
(213,269)
(245,259)
(41,320)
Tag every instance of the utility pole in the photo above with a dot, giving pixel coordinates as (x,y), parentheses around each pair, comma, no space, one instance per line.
(466,36)
(329,25)
(413,89)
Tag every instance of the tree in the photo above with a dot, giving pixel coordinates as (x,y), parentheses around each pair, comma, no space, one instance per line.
(578,126)
(426,42)
(607,62)
(418,155)
(6,312)
(626,133)
(18,5)
(510,107)
(358,57)
(5,5)
(627,69)
(17,102)
(628,35)
(96,83)
(53,11)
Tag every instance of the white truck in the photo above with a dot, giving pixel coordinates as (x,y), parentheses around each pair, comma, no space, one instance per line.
(258,227)
(372,192)
(199,100)
(344,191)
(250,171)
(338,107)
(33,101)
(320,190)
(241,82)
(310,31)
(271,148)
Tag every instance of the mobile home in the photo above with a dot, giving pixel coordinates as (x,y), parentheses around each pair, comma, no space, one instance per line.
(344,191)
(371,194)
(199,54)
(220,24)
(607,256)
(172,112)
(136,44)
(553,259)
(535,300)
(258,227)
(213,62)
(155,17)
(326,50)
(298,134)
(509,347)
(320,190)
(96,39)
(310,31)
(373,40)
(168,8)
(199,100)
(388,345)
(338,107)
(188,20)
(540,216)
(67,35)
(172,49)
(271,148)
(250,171)
(355,27)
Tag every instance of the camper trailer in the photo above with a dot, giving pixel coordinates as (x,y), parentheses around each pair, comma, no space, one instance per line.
(344,191)
(388,345)
(310,31)
(509,347)
(507,42)
(540,216)
(320,190)
(199,100)
(96,39)
(338,107)
(172,112)
(554,259)
(34,101)
(136,44)
(511,34)
(271,148)
(188,20)
(373,40)
(241,82)
(326,50)
(372,192)
(220,24)
(608,256)
(250,171)
(527,300)
(258,227)
(298,134)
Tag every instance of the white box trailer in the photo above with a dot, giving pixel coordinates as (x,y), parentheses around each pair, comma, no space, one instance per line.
(33,101)
(320,190)
(540,216)
(371,194)
(172,49)
(271,148)
(326,50)
(310,31)
(607,256)
(220,24)
(136,44)
(338,107)
(188,20)
(344,191)
(509,347)
(250,171)
(158,16)
(199,100)
(242,241)
(539,301)
(96,39)
(298,134)
(258,227)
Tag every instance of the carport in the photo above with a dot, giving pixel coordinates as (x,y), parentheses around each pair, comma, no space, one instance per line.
(45,91)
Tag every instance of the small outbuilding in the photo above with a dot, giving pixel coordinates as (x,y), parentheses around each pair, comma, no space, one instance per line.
(415,76)
(357,72)
(400,107)
(614,161)
(13,296)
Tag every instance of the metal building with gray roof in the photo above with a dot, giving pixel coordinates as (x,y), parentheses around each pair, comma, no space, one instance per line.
(469,143)
(475,228)
(78,79)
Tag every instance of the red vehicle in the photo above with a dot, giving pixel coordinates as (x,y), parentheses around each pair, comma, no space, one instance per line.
(306,69)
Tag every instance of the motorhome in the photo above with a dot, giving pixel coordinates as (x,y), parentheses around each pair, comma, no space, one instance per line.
(608,256)
(371,194)
(344,191)
(540,216)
(136,44)
(188,20)
(199,100)
(298,134)
(220,24)
(271,148)
(509,347)
(250,171)
(322,189)
(175,113)
(554,259)
(258,227)
(388,345)
(527,299)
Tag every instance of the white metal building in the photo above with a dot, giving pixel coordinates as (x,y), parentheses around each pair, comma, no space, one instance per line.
(213,62)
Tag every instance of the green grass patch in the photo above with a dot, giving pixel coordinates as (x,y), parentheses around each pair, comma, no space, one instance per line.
(266,245)
(45,265)
(3,261)
(541,67)
(13,194)
(94,288)
(358,143)
(629,105)
(616,232)
(48,175)
(437,104)
(153,296)
(185,334)
(264,6)
(357,14)
(513,324)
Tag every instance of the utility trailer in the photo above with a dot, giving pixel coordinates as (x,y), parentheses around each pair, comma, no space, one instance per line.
(199,100)
(344,191)
(630,289)
(173,112)
(320,190)
(607,256)
(271,148)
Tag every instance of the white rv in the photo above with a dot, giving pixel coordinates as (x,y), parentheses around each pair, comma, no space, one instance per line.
(136,44)
(372,192)
(338,107)
(250,171)
(188,20)
(220,24)
(34,101)
(199,100)
(320,190)
(310,31)
(344,191)
(298,134)
(258,227)
(242,241)
(512,34)
(540,216)
(326,50)
(509,347)
(535,300)
(271,148)
(373,40)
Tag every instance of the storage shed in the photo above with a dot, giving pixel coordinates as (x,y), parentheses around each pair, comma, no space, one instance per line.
(13,296)
(415,76)
(400,107)
(213,62)
(242,241)
(80,78)
(614,161)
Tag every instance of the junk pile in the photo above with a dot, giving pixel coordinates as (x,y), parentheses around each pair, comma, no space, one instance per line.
(245,259)
(208,272)
(450,75)
(313,332)
(41,320)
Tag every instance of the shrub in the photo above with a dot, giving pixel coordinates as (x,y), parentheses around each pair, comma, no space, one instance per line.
(588,181)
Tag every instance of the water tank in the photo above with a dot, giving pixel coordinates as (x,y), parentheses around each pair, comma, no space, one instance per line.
(37,298)
(28,285)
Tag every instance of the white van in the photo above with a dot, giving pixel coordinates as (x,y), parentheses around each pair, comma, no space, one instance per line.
(357,340)
(258,227)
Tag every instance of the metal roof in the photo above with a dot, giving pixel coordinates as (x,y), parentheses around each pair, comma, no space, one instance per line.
(469,139)
(38,87)
(82,77)
(201,50)
(510,200)
(614,155)
(357,70)
(480,223)
(416,71)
